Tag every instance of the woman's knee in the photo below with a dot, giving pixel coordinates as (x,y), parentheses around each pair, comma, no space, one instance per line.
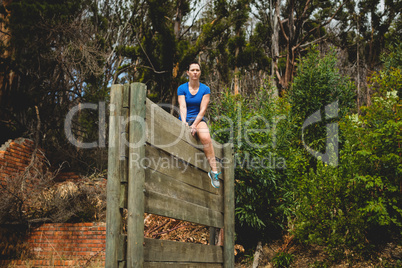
(203,133)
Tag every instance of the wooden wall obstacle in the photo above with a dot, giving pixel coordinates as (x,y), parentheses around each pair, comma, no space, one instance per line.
(156,166)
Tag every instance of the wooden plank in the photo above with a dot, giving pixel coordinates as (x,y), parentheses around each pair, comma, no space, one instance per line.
(165,140)
(124,149)
(113,216)
(121,253)
(126,96)
(163,205)
(156,159)
(181,265)
(156,250)
(136,178)
(171,124)
(160,183)
(229,207)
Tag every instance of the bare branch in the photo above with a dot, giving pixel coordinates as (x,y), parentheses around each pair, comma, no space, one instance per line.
(283,30)
(193,22)
(321,25)
(305,9)
(149,60)
(313,42)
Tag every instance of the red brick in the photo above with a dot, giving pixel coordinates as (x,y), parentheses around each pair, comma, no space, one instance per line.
(65,228)
(92,245)
(47,227)
(15,151)
(81,253)
(97,241)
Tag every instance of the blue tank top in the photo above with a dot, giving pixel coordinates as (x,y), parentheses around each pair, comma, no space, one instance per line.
(193,102)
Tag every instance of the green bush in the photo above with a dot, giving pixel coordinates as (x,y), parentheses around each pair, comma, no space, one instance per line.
(350,207)
(317,84)
(282,259)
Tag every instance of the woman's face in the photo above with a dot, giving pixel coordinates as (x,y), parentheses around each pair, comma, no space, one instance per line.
(194,72)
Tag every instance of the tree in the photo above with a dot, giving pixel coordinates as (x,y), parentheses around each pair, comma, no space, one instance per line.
(305,25)
(240,12)
(38,72)
(58,51)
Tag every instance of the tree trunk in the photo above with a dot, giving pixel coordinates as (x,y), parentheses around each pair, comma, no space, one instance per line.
(275,43)
(290,47)
(236,70)
(6,77)
(177,27)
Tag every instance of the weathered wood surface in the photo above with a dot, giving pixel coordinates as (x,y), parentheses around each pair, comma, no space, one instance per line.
(136,178)
(122,252)
(160,183)
(178,209)
(124,149)
(113,216)
(156,250)
(178,169)
(229,207)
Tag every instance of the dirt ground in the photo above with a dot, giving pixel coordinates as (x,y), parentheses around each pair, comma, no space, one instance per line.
(390,255)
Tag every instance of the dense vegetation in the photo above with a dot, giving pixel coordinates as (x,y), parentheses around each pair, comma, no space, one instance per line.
(349,202)
(307,91)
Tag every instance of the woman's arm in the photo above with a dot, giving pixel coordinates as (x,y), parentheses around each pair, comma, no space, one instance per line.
(182,108)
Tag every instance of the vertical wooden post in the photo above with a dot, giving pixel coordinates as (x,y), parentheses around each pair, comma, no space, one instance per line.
(229,206)
(113,216)
(125,113)
(136,176)
(124,129)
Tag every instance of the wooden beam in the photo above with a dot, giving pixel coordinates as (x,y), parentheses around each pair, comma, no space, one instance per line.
(136,177)
(113,216)
(160,183)
(125,113)
(229,206)
(163,205)
(161,138)
(156,250)
(160,161)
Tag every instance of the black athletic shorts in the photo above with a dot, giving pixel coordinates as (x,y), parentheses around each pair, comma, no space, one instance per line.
(191,121)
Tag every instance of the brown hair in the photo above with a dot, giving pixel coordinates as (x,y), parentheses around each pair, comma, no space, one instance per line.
(193,62)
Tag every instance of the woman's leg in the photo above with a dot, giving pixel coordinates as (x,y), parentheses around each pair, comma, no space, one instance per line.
(205,138)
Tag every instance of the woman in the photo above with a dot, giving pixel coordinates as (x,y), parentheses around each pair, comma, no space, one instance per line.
(193,98)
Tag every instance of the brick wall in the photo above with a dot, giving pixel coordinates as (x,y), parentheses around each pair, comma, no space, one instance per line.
(65,245)
(15,156)
(52,244)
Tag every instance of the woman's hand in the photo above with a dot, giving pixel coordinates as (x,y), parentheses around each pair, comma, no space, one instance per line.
(193,129)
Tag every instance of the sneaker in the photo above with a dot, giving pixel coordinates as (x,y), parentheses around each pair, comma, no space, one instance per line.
(214,179)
